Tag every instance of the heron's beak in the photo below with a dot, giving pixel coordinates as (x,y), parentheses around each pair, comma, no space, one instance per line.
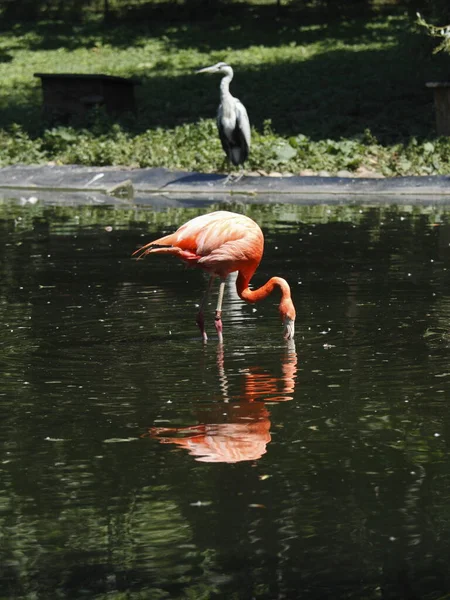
(205,70)
(288,328)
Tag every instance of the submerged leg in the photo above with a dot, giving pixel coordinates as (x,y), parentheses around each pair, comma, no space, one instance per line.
(200,319)
(218,317)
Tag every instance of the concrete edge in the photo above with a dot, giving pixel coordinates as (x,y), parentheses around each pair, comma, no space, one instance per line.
(121,182)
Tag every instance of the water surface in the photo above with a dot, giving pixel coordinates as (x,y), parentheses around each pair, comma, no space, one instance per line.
(138,463)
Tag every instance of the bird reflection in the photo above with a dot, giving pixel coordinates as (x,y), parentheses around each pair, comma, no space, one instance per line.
(238,428)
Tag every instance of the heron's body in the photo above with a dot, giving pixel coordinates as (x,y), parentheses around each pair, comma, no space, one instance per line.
(220,243)
(232,118)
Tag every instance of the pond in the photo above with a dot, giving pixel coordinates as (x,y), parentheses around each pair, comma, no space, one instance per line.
(138,463)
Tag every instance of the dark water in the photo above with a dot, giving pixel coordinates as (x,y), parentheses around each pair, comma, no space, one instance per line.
(138,464)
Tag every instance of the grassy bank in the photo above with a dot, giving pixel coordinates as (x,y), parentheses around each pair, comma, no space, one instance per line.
(347,96)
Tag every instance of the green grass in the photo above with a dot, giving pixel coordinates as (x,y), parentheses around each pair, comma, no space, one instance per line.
(344,96)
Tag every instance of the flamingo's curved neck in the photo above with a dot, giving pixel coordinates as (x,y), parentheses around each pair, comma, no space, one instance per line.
(262,292)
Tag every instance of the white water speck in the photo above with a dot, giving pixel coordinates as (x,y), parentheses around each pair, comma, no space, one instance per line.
(119,440)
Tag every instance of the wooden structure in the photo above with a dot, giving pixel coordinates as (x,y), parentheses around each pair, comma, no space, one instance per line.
(441,90)
(69,95)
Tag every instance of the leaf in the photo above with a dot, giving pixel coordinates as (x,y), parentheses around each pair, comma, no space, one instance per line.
(404,164)
(284,152)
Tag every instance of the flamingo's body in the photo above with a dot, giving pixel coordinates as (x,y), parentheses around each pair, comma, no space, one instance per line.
(219,243)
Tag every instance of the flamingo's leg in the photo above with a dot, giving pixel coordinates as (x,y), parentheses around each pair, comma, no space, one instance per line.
(218,317)
(200,319)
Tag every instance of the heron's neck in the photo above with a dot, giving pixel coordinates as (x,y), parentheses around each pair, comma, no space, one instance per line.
(225,84)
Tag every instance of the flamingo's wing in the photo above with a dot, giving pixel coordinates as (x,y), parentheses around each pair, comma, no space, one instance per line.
(216,241)
(223,241)
(230,256)
(207,233)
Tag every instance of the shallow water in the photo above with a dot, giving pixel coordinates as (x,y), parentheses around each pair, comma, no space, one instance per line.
(137,463)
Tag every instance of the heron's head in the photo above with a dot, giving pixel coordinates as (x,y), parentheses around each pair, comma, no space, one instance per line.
(287,313)
(219,67)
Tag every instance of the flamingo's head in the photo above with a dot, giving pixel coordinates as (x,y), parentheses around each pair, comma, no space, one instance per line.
(287,312)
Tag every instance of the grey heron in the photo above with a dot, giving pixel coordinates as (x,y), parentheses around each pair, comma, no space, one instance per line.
(232,118)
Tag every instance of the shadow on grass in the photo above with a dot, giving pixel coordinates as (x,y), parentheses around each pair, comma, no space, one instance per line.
(193,25)
(332,96)
(224,26)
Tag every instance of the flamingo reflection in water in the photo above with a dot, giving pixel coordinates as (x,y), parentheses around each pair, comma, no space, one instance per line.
(237,429)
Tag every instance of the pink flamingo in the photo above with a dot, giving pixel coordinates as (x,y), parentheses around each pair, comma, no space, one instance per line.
(219,243)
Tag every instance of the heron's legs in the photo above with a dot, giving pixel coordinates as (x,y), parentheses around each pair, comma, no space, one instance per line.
(200,319)
(218,316)
(234,177)
(238,176)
